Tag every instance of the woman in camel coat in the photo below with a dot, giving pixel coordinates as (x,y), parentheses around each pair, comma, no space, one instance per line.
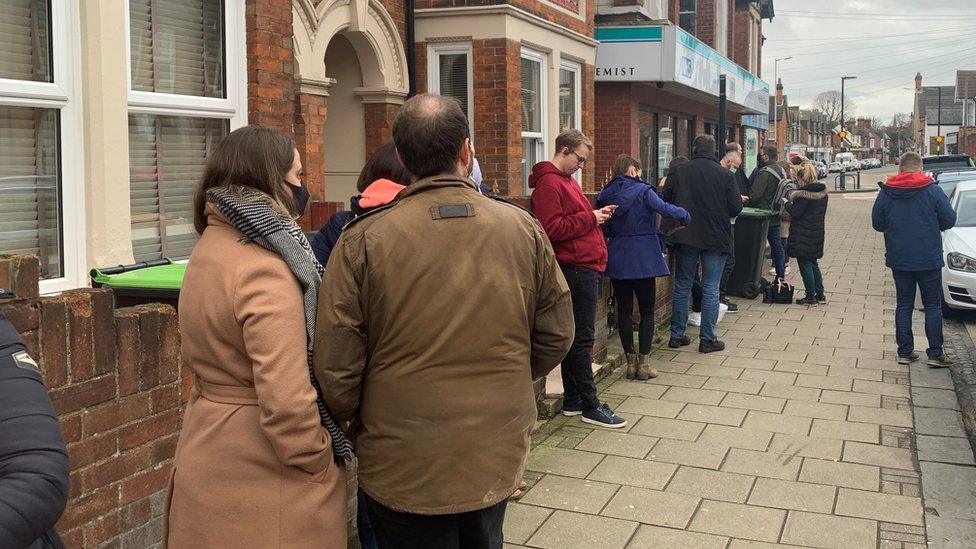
(254,466)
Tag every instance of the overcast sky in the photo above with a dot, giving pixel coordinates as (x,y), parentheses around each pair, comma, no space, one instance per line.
(882,42)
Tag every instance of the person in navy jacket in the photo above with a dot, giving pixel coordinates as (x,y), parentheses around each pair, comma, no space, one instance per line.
(912,212)
(635,256)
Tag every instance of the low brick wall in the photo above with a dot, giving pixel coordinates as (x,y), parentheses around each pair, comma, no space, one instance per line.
(115,380)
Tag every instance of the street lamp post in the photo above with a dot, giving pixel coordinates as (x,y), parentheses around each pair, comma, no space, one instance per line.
(775,101)
(842,80)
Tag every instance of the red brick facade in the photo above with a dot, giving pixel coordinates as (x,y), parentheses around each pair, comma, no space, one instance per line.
(310,114)
(270,64)
(545,9)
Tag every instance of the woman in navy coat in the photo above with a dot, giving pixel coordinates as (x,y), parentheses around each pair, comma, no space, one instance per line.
(635,256)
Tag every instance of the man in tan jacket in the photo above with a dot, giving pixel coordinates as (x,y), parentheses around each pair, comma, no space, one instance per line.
(435,315)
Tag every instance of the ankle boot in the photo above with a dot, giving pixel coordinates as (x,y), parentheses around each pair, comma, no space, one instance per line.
(644,369)
(631,366)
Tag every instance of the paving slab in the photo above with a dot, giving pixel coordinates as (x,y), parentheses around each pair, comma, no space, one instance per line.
(927,397)
(754,402)
(950,533)
(950,490)
(619,444)
(829,531)
(655,537)
(713,414)
(784,494)
(571,494)
(882,456)
(650,407)
(853,399)
(818,410)
(695,454)
(836,473)
(562,461)
(668,428)
(708,484)
(652,507)
(812,447)
(574,530)
(945,450)
(521,521)
(878,506)
(633,472)
(762,464)
(940,422)
(845,430)
(739,521)
(735,437)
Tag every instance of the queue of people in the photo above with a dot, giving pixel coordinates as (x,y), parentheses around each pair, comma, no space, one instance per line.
(398,352)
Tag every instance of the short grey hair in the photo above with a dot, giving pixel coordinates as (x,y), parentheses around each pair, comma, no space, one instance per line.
(910,162)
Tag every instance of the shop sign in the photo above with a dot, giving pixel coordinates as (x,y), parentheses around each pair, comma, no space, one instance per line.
(669,54)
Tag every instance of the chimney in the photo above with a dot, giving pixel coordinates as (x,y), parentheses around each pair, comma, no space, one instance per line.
(918,81)
(779,91)
(863,123)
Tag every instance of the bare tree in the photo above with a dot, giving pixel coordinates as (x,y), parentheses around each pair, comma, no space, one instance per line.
(828,103)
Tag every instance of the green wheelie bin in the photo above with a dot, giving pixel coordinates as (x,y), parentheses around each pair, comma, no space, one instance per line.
(750,243)
(156,281)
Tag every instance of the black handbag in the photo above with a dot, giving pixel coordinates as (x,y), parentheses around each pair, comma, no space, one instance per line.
(779,291)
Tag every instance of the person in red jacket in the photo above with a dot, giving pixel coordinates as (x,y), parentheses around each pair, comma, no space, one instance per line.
(573,226)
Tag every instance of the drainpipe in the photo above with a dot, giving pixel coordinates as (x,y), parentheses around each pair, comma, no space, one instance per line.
(411,49)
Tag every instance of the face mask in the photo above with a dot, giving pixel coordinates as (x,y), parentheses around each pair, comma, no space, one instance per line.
(300,196)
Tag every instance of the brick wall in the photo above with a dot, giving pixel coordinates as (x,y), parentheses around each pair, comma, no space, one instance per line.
(310,115)
(544,9)
(270,64)
(498,119)
(115,380)
(616,132)
(705,29)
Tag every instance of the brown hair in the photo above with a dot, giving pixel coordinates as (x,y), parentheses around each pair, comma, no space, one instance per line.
(384,164)
(570,139)
(806,173)
(624,163)
(677,161)
(429,132)
(253,156)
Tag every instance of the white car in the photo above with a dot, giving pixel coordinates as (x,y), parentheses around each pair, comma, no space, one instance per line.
(959,248)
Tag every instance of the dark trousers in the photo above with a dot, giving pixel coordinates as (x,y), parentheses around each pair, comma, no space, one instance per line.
(579,391)
(723,285)
(481,529)
(930,284)
(367,536)
(624,292)
(812,277)
(778,250)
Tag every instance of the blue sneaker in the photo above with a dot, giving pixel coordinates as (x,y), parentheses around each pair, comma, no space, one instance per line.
(603,416)
(570,410)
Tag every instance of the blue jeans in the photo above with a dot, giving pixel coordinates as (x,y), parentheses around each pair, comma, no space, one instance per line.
(685,266)
(367,537)
(778,250)
(930,284)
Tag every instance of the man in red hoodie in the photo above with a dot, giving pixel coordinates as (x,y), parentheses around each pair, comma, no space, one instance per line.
(573,226)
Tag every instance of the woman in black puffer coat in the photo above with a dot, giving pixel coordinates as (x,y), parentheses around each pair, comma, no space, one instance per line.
(808,208)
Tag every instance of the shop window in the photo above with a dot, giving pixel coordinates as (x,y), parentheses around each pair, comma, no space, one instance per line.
(450,75)
(41,197)
(533,112)
(665,144)
(688,15)
(186,75)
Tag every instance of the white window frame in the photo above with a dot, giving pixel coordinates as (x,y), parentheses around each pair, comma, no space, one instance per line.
(434,53)
(233,107)
(64,94)
(577,70)
(543,60)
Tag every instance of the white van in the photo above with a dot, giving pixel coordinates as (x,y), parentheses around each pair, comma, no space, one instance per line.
(846,160)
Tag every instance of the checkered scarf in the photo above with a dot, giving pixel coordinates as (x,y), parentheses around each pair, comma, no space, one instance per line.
(263,221)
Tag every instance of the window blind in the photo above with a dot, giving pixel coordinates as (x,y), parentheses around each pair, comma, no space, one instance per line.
(531,107)
(454,77)
(567,100)
(29,186)
(25,34)
(167,156)
(177,46)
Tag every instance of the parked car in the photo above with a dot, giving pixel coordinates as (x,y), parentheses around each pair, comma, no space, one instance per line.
(959,247)
(946,161)
(947,181)
(835,167)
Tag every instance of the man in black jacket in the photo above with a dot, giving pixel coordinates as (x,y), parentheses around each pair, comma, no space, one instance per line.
(709,193)
(33,457)
(762,194)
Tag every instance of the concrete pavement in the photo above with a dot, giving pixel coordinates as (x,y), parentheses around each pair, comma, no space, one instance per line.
(801,433)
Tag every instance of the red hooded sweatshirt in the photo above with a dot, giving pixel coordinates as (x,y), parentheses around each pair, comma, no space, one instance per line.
(567,217)
(908,180)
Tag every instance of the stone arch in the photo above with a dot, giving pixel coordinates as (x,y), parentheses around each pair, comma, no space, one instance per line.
(367,26)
